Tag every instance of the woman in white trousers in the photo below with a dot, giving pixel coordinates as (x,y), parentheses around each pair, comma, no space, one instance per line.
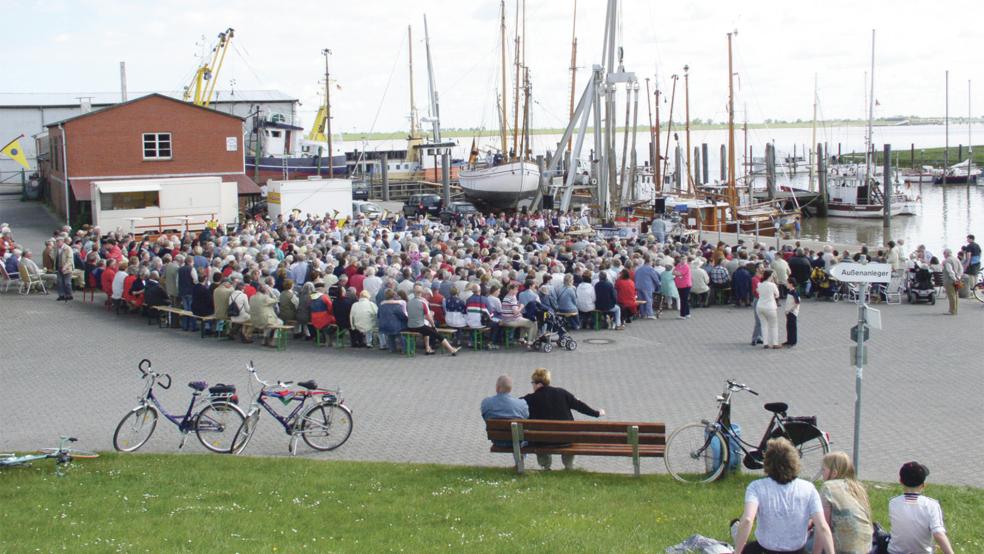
(768,310)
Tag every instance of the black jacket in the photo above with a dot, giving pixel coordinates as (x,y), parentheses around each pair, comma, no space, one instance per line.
(556,403)
(155,295)
(605,298)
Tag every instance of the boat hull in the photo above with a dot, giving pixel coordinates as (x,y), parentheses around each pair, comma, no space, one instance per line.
(294,167)
(956,180)
(868,211)
(502,186)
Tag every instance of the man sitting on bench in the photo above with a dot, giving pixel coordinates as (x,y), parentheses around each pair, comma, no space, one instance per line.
(504,406)
(548,402)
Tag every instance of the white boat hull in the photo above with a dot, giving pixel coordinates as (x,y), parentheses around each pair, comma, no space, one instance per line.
(500,186)
(871,211)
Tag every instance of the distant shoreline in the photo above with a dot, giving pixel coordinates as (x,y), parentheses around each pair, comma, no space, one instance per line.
(469,133)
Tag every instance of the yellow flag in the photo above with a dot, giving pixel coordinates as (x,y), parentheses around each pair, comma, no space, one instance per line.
(14,151)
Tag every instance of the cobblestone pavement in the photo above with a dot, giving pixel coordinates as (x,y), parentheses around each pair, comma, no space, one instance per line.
(71,369)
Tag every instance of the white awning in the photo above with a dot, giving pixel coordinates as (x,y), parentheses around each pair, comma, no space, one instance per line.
(126,186)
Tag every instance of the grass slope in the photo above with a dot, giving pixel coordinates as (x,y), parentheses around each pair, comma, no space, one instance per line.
(201,503)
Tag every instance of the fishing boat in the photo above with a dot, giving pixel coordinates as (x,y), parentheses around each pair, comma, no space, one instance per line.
(280,150)
(502,179)
(854,192)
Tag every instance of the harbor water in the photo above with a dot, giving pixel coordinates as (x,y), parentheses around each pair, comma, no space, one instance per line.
(945,215)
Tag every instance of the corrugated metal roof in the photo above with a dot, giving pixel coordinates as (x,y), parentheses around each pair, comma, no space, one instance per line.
(52,99)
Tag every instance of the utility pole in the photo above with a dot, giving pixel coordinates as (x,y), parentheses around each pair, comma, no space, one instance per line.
(946,123)
(331,151)
(657,173)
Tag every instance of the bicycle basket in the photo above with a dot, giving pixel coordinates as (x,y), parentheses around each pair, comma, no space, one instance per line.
(810,420)
(223,393)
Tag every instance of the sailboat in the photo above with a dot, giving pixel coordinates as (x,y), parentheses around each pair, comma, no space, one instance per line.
(857,194)
(500,180)
(963,173)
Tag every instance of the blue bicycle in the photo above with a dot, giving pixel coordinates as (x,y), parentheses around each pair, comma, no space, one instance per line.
(324,426)
(62,455)
(214,417)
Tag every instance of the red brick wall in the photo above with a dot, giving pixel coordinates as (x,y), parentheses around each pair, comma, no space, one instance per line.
(110,142)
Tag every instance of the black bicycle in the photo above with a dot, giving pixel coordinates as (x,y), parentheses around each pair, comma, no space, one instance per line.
(702,452)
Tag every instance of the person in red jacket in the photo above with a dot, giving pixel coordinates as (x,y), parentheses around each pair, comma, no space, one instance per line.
(106,279)
(625,293)
(322,314)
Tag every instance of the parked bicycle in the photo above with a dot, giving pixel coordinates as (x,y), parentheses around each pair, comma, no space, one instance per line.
(324,426)
(702,452)
(214,417)
(61,455)
(979,287)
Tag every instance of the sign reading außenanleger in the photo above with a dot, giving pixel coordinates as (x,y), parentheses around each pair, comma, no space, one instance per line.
(862,273)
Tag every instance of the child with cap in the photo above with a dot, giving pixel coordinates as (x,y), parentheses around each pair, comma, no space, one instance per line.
(917,520)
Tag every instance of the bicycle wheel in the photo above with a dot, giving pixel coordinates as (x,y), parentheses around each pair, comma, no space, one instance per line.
(979,292)
(246,431)
(326,426)
(696,454)
(135,429)
(812,445)
(216,425)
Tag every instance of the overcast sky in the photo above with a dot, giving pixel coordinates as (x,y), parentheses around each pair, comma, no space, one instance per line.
(76,45)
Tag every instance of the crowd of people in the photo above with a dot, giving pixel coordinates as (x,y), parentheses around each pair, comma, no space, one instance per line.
(375,278)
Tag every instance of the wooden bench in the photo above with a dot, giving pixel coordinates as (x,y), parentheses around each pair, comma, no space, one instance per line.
(449,333)
(410,342)
(202,320)
(585,438)
(281,333)
(171,312)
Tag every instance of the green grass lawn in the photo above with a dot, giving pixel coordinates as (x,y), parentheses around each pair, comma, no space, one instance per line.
(209,503)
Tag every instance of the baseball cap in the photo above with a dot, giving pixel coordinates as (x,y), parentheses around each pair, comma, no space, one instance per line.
(913,474)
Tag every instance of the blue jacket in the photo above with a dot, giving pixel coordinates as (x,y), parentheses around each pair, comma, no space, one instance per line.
(646,281)
(566,300)
(186,285)
(391,319)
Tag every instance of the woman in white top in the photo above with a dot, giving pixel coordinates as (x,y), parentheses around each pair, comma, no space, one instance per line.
(783,506)
(767,309)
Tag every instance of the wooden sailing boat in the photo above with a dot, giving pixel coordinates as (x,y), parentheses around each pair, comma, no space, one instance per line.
(502,179)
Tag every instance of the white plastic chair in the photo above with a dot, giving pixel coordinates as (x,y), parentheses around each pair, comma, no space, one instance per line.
(7,278)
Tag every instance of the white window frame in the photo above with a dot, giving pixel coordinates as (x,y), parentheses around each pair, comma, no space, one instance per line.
(155,139)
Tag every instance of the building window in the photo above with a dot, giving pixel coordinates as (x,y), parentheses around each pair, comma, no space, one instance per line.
(157,146)
(129,200)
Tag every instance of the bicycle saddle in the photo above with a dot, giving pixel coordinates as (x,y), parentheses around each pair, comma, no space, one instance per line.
(198,385)
(309,385)
(777,407)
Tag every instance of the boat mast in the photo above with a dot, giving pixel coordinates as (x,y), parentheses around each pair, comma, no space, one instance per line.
(946,126)
(435,108)
(732,193)
(686,110)
(871,116)
(748,161)
(413,105)
(970,136)
(669,124)
(570,141)
(504,127)
(515,148)
(331,160)
(657,173)
(813,141)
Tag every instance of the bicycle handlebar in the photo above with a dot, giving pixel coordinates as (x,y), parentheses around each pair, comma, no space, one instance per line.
(736,386)
(252,370)
(146,372)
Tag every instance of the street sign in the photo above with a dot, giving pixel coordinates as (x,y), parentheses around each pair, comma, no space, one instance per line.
(862,273)
(873,318)
(854,333)
(854,356)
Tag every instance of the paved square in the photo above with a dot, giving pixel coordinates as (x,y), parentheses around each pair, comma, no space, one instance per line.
(71,369)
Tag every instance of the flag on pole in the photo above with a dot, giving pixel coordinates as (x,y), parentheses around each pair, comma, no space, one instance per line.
(14,151)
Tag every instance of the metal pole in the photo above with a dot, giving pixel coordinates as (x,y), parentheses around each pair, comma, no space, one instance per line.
(123,81)
(704,173)
(386,182)
(686,100)
(946,124)
(446,176)
(887,189)
(858,375)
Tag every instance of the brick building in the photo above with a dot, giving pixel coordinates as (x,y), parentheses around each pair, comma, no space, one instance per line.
(151,136)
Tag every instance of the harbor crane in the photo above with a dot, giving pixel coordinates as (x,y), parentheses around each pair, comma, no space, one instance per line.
(202,86)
